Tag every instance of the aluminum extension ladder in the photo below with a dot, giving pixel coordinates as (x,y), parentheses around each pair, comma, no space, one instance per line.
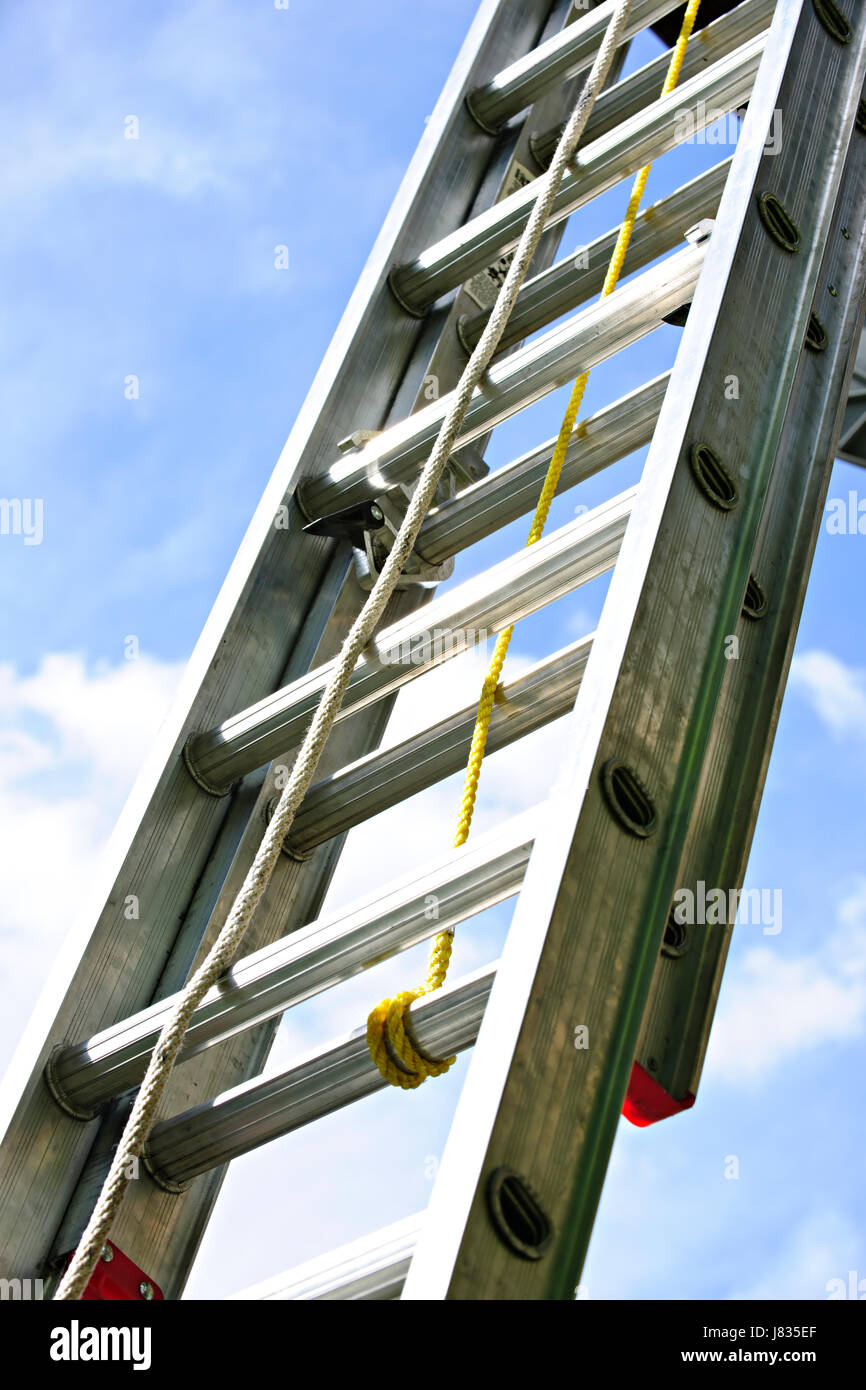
(669,740)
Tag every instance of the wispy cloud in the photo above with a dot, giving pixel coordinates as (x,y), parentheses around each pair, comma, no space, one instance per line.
(821,1248)
(836,691)
(775,1007)
(198,61)
(72,740)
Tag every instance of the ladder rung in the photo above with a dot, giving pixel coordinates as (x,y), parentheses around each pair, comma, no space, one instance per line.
(315,958)
(634,92)
(569,52)
(567,284)
(325,1080)
(505,593)
(596,167)
(372,784)
(373,1268)
(512,491)
(512,383)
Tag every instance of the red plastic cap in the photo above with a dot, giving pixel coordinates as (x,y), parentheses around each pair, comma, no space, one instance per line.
(647,1101)
(119,1280)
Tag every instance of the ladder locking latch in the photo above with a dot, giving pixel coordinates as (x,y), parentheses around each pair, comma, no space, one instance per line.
(372,526)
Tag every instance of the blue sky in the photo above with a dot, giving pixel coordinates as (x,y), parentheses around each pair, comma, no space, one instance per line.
(153,258)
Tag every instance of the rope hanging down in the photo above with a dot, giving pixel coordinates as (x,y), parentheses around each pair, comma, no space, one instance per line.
(223,951)
(387,1037)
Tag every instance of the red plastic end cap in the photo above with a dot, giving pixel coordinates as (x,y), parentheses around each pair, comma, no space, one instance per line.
(117,1279)
(646,1101)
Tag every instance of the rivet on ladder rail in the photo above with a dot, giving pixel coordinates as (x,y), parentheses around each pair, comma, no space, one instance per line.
(517,1215)
(627,798)
(712,477)
(117,1279)
(755,601)
(778,222)
(833,20)
(676,940)
(816,335)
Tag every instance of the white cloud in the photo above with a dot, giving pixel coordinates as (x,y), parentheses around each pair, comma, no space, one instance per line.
(774,1008)
(835,691)
(822,1248)
(75,739)
(206,80)
(200,63)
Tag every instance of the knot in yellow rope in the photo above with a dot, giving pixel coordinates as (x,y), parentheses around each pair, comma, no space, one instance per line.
(391,1047)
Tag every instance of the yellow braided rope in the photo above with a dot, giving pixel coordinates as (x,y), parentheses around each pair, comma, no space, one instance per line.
(387,1037)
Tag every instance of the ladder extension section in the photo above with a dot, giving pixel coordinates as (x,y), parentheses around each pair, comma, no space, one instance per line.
(665,740)
(373,1269)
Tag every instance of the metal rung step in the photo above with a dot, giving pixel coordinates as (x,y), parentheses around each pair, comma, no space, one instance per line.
(571,282)
(382,779)
(323,1081)
(513,383)
(565,55)
(635,92)
(512,491)
(317,957)
(507,592)
(372,1268)
(596,167)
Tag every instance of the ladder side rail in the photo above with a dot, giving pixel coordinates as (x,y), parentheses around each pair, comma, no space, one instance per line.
(686,988)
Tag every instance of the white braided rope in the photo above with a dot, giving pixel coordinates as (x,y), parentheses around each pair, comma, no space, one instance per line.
(223,951)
